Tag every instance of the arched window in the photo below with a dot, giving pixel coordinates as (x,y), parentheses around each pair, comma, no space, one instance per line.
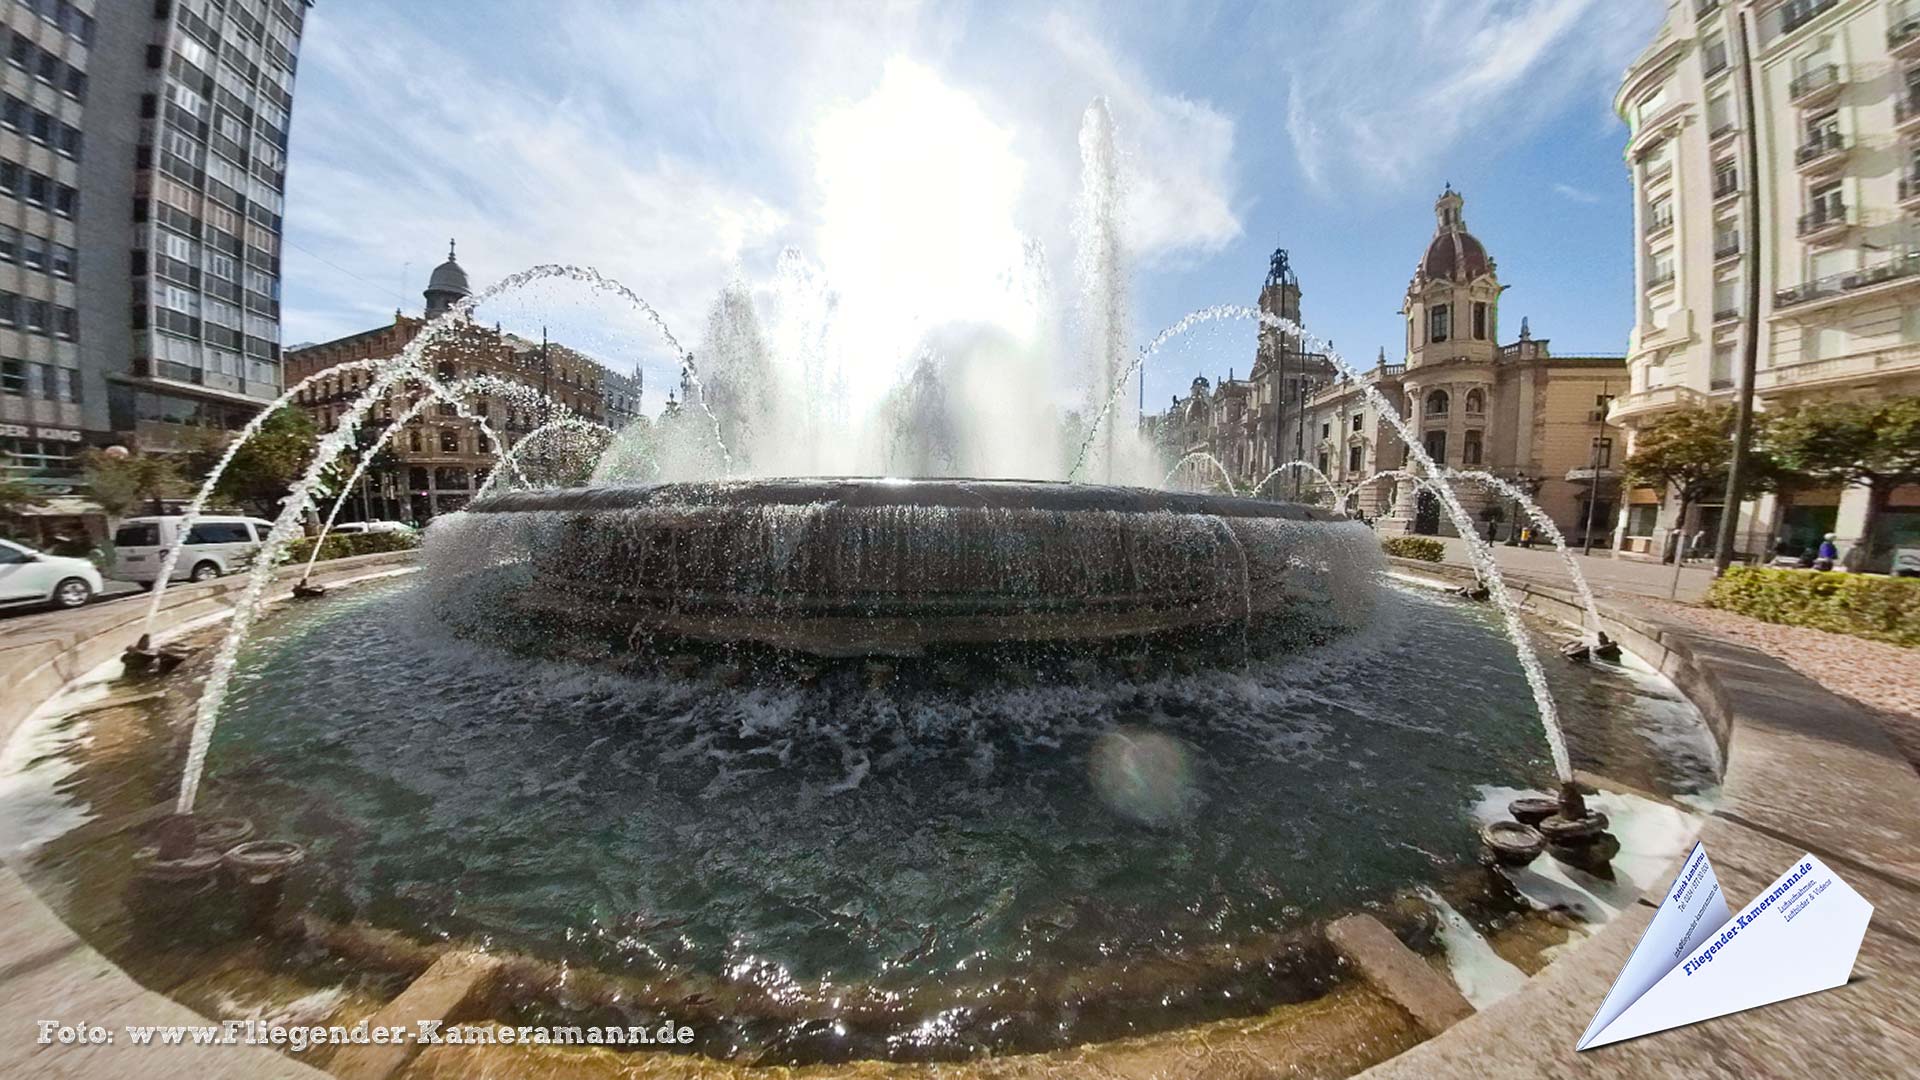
(449,441)
(1476,401)
(1437,403)
(445,369)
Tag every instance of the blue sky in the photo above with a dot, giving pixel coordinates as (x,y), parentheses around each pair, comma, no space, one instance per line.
(916,156)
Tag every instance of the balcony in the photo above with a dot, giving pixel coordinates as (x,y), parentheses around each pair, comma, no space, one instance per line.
(1657,399)
(1906,112)
(1726,245)
(1704,8)
(1901,266)
(1910,191)
(1823,226)
(1721,131)
(1815,87)
(1829,373)
(1715,63)
(1798,13)
(1822,153)
(1659,223)
(1725,186)
(1659,280)
(1726,314)
(1903,40)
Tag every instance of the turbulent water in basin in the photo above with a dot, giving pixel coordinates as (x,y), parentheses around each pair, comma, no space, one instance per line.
(966,864)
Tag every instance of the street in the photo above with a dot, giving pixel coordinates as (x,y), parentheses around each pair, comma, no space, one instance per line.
(1605,573)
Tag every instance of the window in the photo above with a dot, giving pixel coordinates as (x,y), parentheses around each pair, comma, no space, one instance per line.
(33,252)
(1650,105)
(1824,203)
(64,259)
(1437,323)
(1823,131)
(1602,452)
(1660,269)
(1719,113)
(1470,449)
(1326,431)
(40,381)
(1726,178)
(1437,403)
(137,536)
(1357,420)
(1476,402)
(1641,519)
(1436,443)
(1479,320)
(449,441)
(13,378)
(1355,454)
(1714,54)
(413,442)
(220,532)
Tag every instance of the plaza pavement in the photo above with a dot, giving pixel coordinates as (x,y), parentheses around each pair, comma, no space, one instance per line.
(1607,574)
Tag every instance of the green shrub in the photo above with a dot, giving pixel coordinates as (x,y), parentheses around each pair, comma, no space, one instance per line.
(341,545)
(1865,605)
(1424,548)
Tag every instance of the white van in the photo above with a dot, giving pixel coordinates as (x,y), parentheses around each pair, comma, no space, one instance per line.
(217,544)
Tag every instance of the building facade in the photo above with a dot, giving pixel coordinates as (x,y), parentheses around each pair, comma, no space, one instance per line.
(142,174)
(1517,411)
(1250,426)
(440,459)
(1774,144)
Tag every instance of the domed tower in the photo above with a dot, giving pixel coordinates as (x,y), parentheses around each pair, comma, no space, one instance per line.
(1451,310)
(447,286)
(1452,301)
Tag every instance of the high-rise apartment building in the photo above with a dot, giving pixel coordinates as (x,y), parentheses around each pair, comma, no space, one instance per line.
(143,155)
(1778,142)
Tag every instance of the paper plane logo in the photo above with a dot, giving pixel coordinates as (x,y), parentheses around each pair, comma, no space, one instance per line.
(1697,960)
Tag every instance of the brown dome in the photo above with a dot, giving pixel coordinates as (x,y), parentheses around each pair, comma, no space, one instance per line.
(1456,256)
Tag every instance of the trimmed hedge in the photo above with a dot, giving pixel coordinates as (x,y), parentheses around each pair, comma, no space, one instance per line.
(1424,548)
(342,545)
(1865,605)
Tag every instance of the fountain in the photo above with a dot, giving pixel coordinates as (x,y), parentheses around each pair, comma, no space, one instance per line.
(863,765)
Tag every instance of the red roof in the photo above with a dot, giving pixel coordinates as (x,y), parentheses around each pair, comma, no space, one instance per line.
(1456,255)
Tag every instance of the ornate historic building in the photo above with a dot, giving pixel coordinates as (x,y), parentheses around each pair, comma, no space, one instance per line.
(1517,411)
(1774,150)
(1252,425)
(438,462)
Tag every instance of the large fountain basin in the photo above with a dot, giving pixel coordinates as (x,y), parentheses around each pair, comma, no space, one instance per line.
(852,566)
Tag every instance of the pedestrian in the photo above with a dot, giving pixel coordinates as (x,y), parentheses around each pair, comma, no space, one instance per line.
(1828,553)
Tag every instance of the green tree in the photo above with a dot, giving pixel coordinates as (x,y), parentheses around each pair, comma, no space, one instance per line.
(1688,451)
(16,497)
(1875,443)
(261,472)
(120,481)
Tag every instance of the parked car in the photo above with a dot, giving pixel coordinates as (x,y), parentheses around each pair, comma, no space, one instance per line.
(349,527)
(32,577)
(216,545)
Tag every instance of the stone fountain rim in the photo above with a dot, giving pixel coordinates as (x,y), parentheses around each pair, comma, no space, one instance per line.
(878,492)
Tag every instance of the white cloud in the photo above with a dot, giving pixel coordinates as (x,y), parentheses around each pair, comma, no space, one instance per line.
(1179,179)
(1375,97)
(1579,195)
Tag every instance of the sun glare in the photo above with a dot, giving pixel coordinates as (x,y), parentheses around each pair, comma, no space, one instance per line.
(918,220)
